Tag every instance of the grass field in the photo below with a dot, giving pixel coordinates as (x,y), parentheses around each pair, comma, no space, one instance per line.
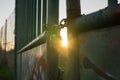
(6,66)
(5,73)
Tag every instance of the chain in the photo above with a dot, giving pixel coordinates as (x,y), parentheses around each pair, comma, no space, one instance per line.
(53,31)
(63,23)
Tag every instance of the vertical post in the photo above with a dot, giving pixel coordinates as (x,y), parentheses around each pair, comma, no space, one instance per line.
(5,43)
(44,15)
(15,49)
(39,17)
(52,55)
(73,11)
(0,36)
(34,3)
(5,37)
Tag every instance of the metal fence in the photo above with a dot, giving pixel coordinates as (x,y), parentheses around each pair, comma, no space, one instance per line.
(93,51)
(7,33)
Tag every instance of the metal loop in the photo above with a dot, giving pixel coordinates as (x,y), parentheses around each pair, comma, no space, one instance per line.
(63,23)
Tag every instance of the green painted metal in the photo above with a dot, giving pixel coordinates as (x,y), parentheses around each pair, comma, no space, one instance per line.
(73,39)
(37,41)
(39,17)
(30,24)
(102,48)
(112,2)
(34,2)
(15,49)
(52,15)
(44,15)
(25,30)
(97,20)
(27,26)
(101,19)
(25,22)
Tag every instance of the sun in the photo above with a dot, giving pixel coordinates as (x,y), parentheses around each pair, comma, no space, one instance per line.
(63,34)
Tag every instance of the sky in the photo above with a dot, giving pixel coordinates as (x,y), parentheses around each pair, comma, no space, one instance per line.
(87,6)
(6,8)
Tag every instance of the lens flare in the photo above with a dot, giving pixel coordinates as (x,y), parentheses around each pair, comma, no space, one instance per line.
(63,34)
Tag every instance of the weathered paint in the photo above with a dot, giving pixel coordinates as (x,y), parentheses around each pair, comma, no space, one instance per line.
(103,18)
(27,22)
(102,48)
(32,64)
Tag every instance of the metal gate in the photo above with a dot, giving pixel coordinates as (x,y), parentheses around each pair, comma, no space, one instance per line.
(93,50)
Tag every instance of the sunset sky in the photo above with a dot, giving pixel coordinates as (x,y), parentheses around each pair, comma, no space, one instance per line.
(87,6)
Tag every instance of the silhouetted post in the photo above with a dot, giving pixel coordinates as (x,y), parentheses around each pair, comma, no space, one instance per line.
(5,45)
(73,11)
(52,55)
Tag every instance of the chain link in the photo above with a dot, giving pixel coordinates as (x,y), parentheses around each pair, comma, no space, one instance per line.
(63,23)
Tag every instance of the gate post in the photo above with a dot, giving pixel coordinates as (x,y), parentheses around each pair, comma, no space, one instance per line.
(52,55)
(73,11)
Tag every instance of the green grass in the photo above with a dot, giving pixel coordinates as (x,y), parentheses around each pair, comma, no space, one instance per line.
(5,73)
(6,68)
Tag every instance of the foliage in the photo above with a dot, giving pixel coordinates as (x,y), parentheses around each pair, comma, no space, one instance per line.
(6,72)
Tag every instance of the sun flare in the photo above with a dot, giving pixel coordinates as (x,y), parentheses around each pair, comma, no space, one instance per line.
(63,34)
